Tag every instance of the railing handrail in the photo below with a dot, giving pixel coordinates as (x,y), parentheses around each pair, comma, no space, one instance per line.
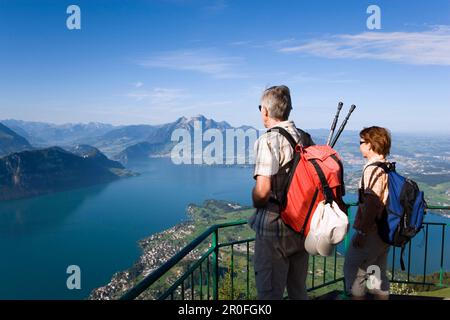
(437,207)
(161,270)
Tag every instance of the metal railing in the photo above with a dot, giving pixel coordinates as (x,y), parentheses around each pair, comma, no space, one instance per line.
(208,288)
(426,227)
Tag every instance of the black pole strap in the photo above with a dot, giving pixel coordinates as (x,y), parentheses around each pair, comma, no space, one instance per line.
(341,166)
(323,181)
(305,223)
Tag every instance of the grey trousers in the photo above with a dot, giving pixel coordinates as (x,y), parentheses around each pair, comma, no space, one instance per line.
(280,263)
(359,260)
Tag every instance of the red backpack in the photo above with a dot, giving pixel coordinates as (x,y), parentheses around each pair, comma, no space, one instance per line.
(316,174)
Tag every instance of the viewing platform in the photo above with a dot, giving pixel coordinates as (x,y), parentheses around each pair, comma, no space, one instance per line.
(217,266)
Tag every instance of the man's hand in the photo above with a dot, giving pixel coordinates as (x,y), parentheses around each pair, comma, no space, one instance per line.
(359,240)
(261,191)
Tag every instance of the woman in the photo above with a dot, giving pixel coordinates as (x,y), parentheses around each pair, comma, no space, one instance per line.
(368,253)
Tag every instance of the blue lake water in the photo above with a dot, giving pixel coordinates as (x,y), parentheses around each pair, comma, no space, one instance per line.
(97,228)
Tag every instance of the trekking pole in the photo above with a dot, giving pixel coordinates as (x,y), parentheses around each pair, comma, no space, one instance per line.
(343,125)
(333,126)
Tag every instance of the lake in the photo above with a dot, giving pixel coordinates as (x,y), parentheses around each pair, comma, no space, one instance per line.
(97,228)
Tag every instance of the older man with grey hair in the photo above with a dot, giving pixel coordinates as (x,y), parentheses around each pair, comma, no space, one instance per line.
(280,258)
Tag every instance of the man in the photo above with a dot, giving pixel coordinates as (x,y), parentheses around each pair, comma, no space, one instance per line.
(280,259)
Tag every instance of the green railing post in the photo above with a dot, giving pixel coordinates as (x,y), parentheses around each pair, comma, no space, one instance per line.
(215,257)
(208,278)
(409,259)
(201,282)
(248,271)
(313,271)
(232,272)
(426,252)
(192,287)
(393,264)
(441,273)
(347,236)
(350,221)
(335,262)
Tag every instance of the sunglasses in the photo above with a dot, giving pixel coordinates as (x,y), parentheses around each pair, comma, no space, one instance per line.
(361,142)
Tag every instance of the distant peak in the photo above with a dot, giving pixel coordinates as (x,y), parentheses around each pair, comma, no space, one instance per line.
(83,146)
(198,117)
(182,119)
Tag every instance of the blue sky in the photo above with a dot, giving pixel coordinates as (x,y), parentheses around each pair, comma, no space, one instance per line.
(137,62)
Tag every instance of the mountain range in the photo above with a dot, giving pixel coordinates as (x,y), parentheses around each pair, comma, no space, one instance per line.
(62,157)
(27,171)
(157,141)
(131,143)
(41,134)
(423,158)
(123,143)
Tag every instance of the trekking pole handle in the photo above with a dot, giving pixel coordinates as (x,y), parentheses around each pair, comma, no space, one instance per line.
(343,125)
(353,107)
(333,126)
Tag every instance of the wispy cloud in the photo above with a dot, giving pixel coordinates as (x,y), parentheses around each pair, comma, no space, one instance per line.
(273,44)
(240,43)
(207,61)
(215,6)
(331,78)
(173,100)
(431,47)
(160,96)
(138,84)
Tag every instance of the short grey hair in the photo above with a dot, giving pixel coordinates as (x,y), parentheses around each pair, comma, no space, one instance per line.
(277,101)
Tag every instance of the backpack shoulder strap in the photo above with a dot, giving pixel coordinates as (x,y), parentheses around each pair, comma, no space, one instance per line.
(285,134)
(291,163)
(386,166)
(305,138)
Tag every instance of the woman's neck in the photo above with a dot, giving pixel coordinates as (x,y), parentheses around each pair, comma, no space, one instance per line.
(375,157)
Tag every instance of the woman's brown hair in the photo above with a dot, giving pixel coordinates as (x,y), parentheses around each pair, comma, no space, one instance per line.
(379,138)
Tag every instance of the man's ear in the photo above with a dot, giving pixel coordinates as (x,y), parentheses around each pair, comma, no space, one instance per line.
(265,112)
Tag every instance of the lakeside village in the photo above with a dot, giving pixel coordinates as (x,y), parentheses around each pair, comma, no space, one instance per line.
(160,247)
